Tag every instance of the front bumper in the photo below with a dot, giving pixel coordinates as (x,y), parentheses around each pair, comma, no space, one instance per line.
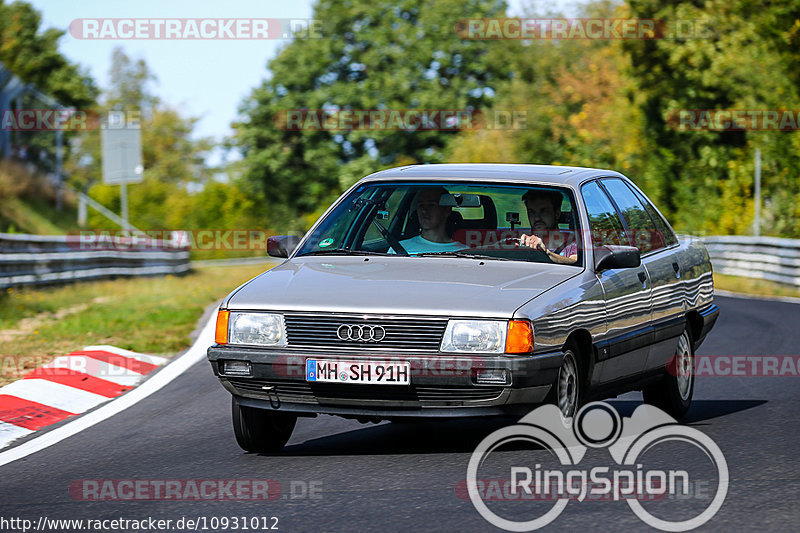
(442,385)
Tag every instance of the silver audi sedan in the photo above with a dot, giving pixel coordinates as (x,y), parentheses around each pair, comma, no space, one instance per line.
(466,290)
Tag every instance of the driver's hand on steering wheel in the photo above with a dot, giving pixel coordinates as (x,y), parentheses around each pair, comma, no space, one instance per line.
(532,241)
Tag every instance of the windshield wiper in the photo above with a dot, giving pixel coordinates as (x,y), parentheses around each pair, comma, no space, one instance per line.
(462,254)
(342,251)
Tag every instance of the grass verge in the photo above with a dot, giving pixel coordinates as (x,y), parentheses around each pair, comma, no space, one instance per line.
(755,287)
(150,315)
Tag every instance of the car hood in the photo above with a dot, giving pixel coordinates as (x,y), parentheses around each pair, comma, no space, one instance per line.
(399,285)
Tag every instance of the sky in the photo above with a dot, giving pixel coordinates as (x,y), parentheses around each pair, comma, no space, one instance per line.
(207,79)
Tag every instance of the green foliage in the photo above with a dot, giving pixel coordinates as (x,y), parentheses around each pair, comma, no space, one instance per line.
(374,55)
(598,103)
(129,82)
(607,104)
(32,54)
(741,56)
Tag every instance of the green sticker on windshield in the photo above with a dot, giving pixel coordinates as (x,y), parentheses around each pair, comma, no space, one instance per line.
(325,242)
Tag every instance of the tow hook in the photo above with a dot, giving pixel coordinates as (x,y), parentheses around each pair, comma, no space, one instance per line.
(270,389)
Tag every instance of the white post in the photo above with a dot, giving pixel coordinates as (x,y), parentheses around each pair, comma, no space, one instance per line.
(123,198)
(82,211)
(757,223)
(123,189)
(59,170)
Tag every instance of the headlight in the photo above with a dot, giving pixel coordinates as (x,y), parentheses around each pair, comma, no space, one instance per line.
(485,336)
(262,329)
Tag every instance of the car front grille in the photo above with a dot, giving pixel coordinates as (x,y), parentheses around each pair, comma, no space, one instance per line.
(322,393)
(402,333)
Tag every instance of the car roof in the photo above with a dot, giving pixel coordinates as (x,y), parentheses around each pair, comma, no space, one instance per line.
(571,176)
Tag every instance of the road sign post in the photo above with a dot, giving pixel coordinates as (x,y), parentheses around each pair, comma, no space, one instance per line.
(757,221)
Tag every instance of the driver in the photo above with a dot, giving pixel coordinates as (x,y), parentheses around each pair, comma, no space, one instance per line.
(544,208)
(433,221)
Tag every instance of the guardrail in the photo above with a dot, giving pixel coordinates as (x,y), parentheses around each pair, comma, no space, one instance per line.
(769,258)
(41,260)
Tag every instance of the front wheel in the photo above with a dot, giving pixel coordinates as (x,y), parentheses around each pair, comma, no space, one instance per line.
(673,394)
(260,430)
(568,391)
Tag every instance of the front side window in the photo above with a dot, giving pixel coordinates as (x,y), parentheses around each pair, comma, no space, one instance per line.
(452,219)
(605,225)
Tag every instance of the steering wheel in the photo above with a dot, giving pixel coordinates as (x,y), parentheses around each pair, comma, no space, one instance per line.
(510,240)
(518,242)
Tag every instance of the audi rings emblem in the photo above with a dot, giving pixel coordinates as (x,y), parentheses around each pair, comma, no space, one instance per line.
(362,333)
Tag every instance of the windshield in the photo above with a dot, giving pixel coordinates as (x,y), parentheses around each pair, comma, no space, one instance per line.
(535,223)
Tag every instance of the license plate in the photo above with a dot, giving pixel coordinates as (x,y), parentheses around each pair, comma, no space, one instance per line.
(359,372)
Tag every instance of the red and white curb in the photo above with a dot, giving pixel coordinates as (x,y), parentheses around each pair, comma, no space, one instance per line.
(171,371)
(69,385)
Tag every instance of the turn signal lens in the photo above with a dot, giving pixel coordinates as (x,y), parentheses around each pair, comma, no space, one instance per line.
(520,337)
(221,335)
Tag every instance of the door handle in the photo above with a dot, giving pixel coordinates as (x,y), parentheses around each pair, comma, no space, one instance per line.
(643,279)
(677,268)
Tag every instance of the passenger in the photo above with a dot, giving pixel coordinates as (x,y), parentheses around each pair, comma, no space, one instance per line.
(544,209)
(433,221)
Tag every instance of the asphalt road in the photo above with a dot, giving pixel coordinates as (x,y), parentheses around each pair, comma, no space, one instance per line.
(403,477)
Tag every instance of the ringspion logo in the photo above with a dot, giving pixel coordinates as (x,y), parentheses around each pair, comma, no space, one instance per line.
(596,426)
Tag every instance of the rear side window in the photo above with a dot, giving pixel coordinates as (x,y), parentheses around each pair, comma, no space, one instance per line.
(661,225)
(604,223)
(641,229)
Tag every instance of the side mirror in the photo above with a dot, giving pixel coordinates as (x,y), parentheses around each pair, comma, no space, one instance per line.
(610,257)
(282,245)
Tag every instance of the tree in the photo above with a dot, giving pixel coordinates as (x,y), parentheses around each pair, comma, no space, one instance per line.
(33,55)
(130,82)
(577,100)
(374,55)
(737,55)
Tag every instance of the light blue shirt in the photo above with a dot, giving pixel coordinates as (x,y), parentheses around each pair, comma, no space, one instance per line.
(418,244)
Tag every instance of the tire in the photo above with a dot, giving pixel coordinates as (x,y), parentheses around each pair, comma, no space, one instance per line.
(673,394)
(568,392)
(260,430)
